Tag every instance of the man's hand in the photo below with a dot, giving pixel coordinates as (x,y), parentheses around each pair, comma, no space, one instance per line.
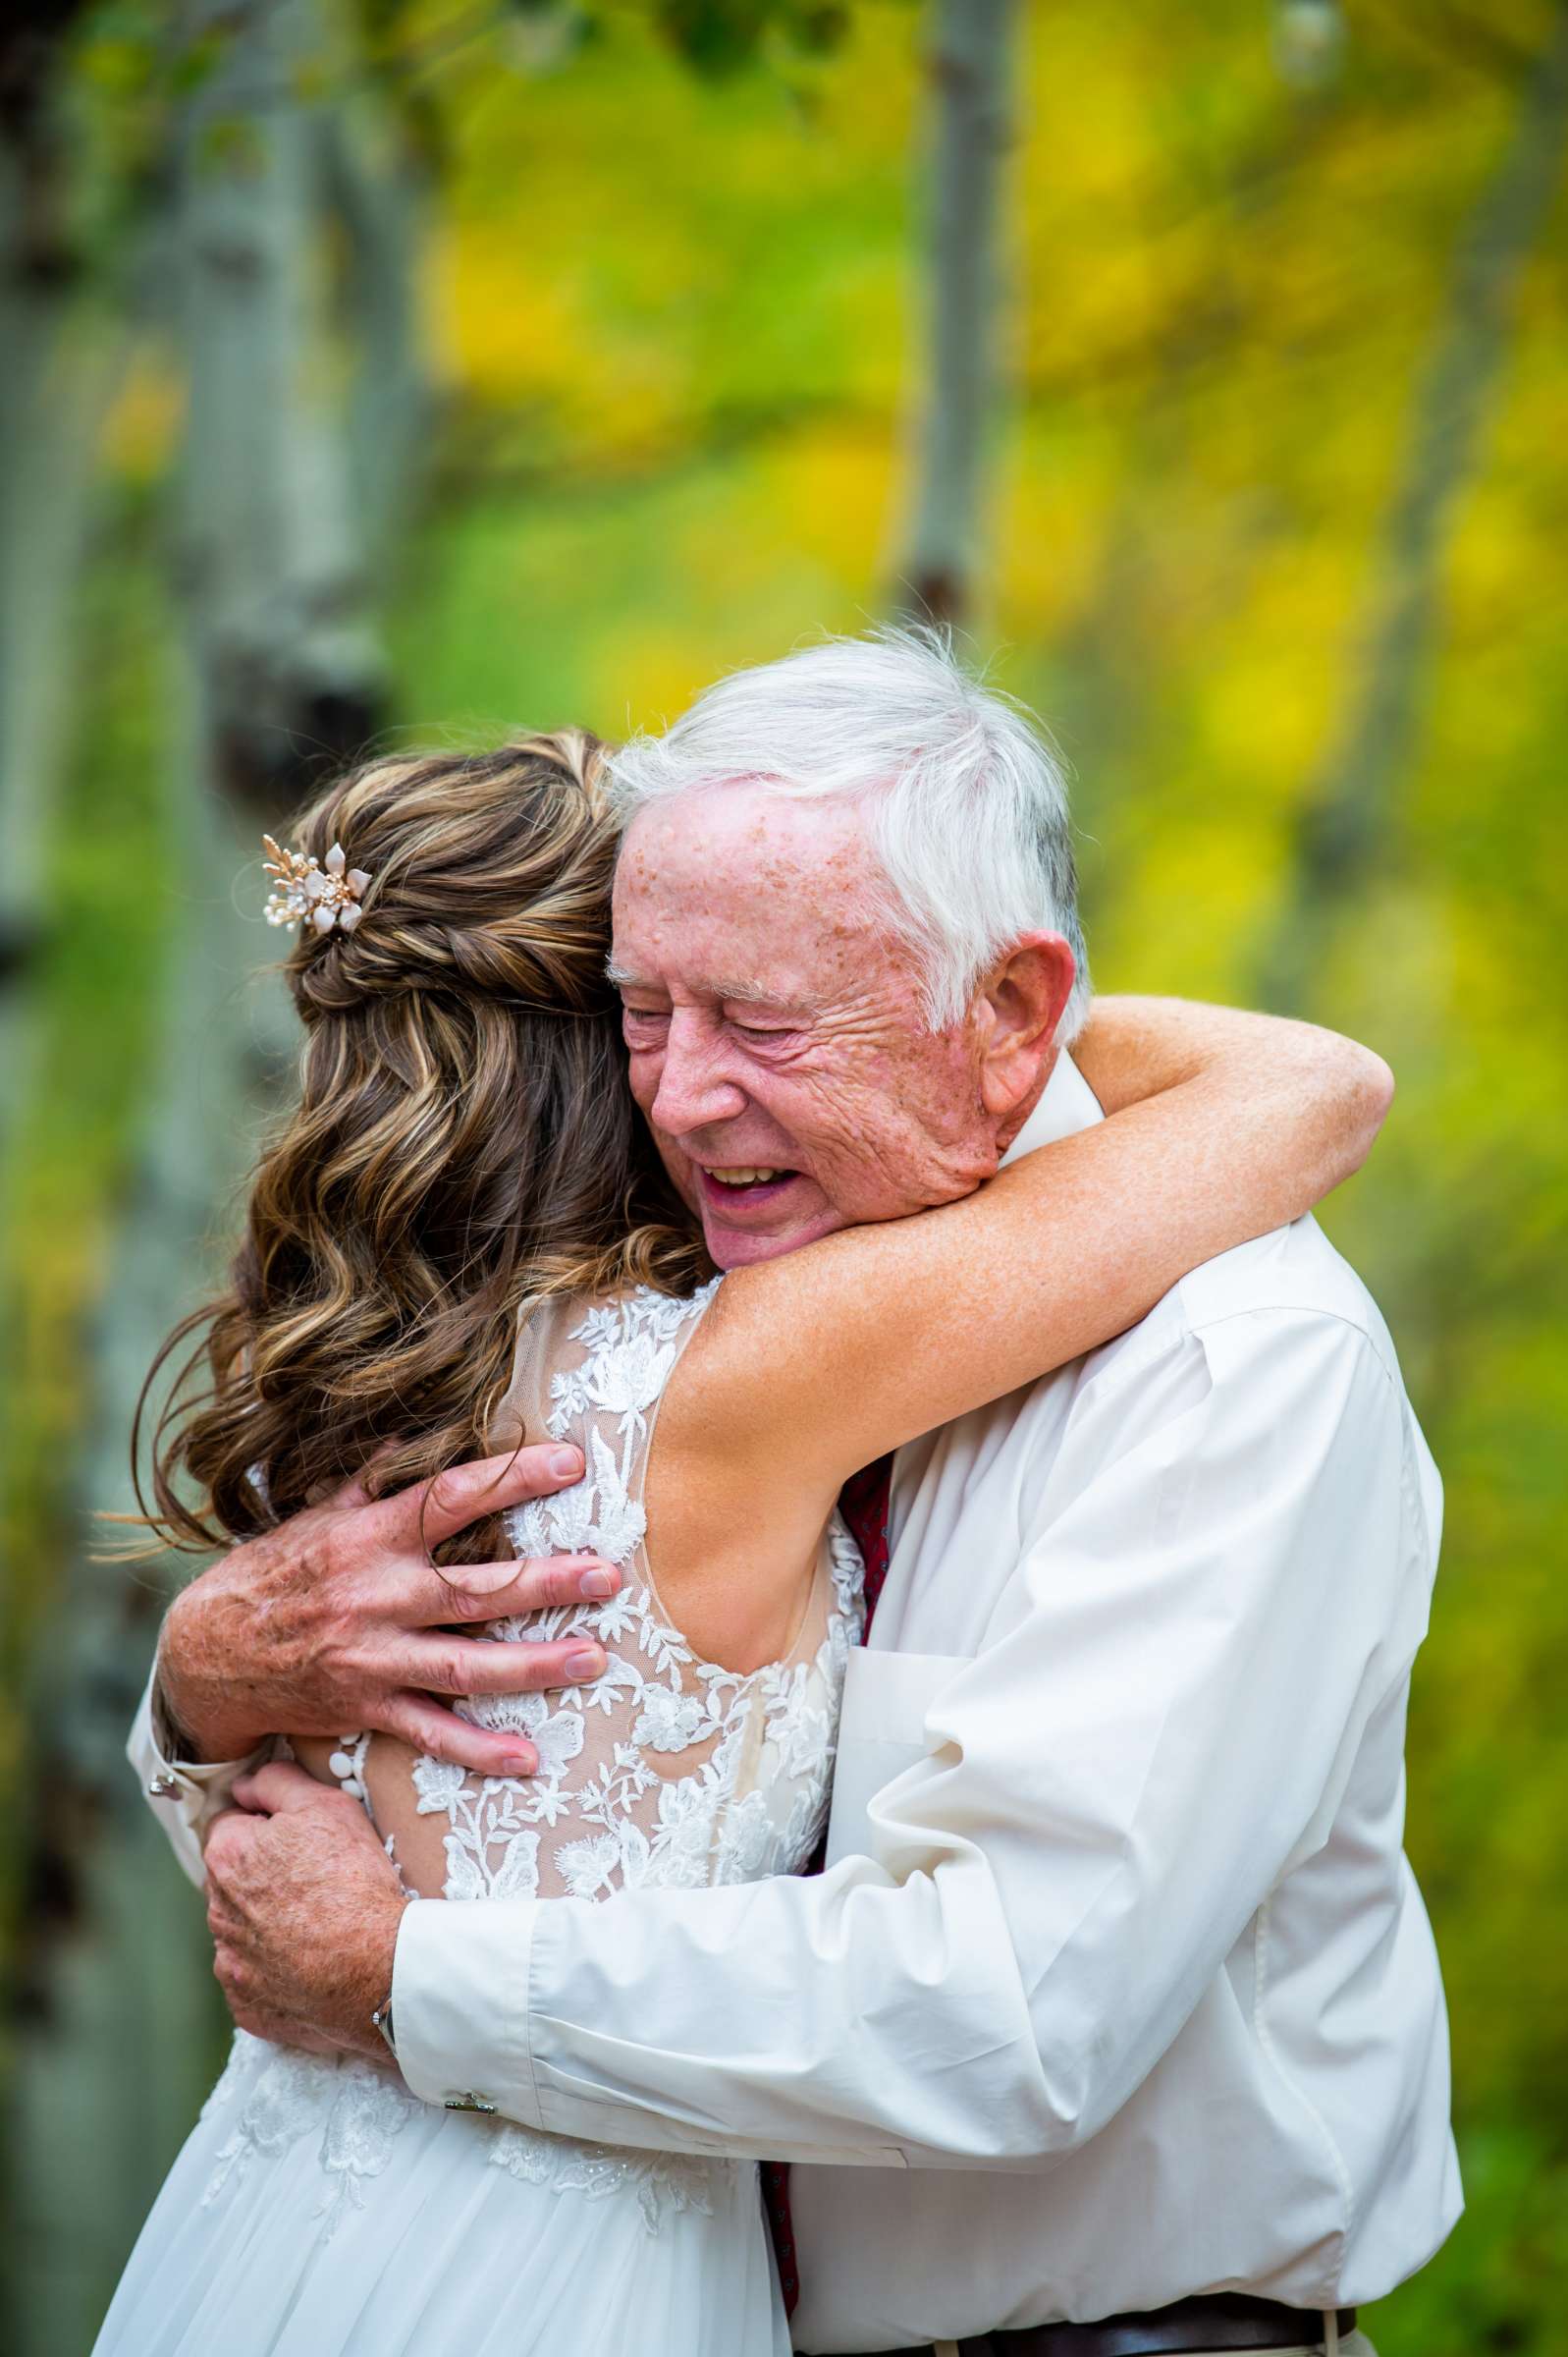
(304,1905)
(333,1623)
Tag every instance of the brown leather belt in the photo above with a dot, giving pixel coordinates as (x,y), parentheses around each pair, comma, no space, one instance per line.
(1222,2320)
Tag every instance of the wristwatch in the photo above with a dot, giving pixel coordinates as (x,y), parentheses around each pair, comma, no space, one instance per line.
(381,2019)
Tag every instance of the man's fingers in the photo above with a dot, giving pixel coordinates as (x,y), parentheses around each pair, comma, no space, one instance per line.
(279,1787)
(497,1591)
(436,1509)
(439,1734)
(226,1838)
(251,2013)
(441,1664)
(279,2030)
(228,1970)
(222,1920)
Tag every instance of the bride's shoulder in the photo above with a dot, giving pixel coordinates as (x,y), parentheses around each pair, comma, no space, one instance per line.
(589,1349)
(593,1325)
(610,1317)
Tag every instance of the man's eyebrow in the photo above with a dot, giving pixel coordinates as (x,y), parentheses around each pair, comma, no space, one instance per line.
(752,993)
(729,991)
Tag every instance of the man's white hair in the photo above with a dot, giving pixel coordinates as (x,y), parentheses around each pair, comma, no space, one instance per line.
(966,804)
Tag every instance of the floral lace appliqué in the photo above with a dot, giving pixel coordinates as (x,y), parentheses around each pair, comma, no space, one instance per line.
(663,2183)
(353,2110)
(669,1771)
(657,1797)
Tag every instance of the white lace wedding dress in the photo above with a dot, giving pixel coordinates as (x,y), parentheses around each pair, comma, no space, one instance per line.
(318,2209)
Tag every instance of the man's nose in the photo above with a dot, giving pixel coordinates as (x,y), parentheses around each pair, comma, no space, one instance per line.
(695,1089)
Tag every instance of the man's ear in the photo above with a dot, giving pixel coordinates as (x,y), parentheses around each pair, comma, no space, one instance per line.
(1019,1007)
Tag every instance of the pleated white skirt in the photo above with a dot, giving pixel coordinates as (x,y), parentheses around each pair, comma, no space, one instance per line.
(318,2210)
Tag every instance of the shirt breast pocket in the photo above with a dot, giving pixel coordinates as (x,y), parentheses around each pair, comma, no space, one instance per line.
(882,1732)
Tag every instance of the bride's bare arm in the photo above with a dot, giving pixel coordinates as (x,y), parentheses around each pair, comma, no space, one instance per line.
(1131,1049)
(1223,1126)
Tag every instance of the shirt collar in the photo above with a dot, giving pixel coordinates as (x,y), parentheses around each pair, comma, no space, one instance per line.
(1067,1106)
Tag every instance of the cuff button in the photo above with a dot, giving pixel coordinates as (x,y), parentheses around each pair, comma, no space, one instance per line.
(163,1787)
(468,2102)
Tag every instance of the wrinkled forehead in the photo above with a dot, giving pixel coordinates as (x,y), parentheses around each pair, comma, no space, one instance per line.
(746,833)
(738,881)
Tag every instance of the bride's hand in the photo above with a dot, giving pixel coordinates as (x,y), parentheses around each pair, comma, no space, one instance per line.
(337,1621)
(304,1905)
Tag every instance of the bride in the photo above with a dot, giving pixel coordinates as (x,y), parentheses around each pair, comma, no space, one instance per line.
(460,1238)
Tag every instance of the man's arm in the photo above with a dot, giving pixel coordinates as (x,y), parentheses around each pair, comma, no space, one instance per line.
(187,1795)
(1109,1796)
(338,1620)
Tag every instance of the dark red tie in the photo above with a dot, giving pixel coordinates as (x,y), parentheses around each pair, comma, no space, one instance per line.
(863,1504)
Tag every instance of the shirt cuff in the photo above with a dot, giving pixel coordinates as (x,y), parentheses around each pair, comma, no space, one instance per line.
(460,2003)
(186,1794)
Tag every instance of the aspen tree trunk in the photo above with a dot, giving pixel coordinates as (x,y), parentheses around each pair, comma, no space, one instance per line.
(972,64)
(1349,812)
(280,673)
(380,189)
(281,669)
(271,564)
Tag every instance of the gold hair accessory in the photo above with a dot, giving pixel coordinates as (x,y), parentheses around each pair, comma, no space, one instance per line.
(304,891)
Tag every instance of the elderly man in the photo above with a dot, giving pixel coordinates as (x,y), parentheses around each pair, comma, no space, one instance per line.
(1116,1990)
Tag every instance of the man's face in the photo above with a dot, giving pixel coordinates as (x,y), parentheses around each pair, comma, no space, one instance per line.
(779,1044)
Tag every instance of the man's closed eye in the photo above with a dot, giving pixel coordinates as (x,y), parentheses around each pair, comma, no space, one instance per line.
(644,1027)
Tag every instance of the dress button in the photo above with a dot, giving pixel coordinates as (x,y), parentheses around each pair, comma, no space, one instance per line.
(163,1787)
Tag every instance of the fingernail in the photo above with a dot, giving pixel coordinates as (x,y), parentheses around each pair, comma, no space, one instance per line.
(564,1460)
(597,1585)
(588,1662)
(518,1763)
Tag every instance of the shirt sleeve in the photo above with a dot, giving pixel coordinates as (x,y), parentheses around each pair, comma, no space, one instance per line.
(184,1795)
(1221,1580)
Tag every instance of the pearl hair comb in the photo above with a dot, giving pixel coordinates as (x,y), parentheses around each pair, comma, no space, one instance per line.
(318,894)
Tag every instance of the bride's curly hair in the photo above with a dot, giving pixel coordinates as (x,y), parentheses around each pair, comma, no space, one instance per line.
(465,1142)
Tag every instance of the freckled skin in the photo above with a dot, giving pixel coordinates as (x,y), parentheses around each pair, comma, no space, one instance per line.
(775,1019)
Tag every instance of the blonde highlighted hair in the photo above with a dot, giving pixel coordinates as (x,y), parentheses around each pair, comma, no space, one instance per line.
(465,1142)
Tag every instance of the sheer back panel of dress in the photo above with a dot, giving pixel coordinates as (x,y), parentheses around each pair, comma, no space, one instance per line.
(670,1770)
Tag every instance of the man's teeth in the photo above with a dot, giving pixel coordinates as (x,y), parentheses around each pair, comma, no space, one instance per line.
(743,1178)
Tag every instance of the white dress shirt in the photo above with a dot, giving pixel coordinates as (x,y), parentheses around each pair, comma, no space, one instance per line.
(187,1795)
(1119,1985)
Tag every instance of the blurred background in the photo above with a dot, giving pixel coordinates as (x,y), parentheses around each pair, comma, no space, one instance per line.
(381,370)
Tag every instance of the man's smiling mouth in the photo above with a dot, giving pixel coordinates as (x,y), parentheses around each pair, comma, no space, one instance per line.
(734,1184)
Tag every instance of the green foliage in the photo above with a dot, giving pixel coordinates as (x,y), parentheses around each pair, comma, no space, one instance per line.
(719,36)
(63,1173)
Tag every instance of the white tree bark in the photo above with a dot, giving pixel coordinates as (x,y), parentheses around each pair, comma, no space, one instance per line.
(279,664)
(271,563)
(971,68)
(380,189)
